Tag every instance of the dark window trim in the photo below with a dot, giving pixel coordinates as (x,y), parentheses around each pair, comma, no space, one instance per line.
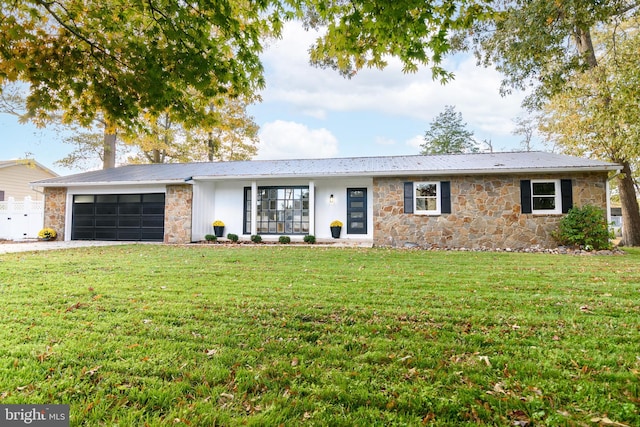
(566,195)
(445,197)
(246,212)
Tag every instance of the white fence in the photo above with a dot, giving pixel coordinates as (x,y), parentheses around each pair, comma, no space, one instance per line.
(21,219)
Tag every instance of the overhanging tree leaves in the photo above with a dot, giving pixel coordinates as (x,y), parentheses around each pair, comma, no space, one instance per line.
(127,59)
(365,33)
(123,58)
(548,45)
(120,59)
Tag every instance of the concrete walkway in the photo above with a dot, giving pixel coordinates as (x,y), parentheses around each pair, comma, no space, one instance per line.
(29,246)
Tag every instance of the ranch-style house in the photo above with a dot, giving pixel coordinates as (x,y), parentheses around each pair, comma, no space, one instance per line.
(488,200)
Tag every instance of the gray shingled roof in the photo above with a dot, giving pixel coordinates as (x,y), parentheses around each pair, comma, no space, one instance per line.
(511,162)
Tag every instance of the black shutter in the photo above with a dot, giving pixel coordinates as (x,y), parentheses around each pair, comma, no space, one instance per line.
(566,192)
(408,197)
(445,197)
(525,196)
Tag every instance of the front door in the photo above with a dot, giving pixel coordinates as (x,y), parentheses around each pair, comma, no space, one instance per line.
(356,211)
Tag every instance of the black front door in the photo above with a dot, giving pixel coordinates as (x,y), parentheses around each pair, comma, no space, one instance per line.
(356,211)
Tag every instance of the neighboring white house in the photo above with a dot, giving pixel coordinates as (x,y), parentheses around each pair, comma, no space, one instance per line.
(487,200)
(21,206)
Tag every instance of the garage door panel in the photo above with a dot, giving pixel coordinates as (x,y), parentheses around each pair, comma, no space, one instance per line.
(106,234)
(129,209)
(85,221)
(129,222)
(149,235)
(153,222)
(84,235)
(118,217)
(83,209)
(106,221)
(153,209)
(106,209)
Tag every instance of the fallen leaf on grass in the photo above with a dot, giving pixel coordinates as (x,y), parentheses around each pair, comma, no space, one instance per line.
(485,359)
(604,421)
(212,352)
(74,307)
(226,397)
(295,362)
(91,371)
(520,418)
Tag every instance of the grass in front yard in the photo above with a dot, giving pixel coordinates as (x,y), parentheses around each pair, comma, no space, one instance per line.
(272,335)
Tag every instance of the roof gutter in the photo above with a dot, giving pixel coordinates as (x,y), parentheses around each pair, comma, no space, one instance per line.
(109,183)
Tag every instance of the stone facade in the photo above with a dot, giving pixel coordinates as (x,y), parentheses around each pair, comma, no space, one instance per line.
(55,207)
(177,214)
(486,212)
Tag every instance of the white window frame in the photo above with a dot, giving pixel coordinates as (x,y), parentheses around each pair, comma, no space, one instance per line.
(557,196)
(417,211)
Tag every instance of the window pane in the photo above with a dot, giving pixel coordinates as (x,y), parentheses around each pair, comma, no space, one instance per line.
(431,204)
(426,190)
(357,193)
(155,197)
(282,210)
(109,198)
(421,205)
(544,203)
(82,199)
(544,188)
(130,198)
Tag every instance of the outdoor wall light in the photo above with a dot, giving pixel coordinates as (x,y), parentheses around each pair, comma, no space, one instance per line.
(332,199)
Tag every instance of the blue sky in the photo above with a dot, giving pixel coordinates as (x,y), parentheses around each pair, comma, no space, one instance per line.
(309,113)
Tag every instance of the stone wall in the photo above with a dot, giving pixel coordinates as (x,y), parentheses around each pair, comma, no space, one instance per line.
(177,214)
(485,213)
(55,207)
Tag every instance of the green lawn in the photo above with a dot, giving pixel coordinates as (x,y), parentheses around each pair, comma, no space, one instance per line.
(298,335)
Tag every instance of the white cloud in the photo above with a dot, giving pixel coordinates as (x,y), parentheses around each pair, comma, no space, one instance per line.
(289,140)
(317,92)
(415,142)
(380,140)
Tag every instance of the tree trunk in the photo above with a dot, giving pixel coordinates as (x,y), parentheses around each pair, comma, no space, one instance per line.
(630,210)
(585,46)
(212,147)
(109,147)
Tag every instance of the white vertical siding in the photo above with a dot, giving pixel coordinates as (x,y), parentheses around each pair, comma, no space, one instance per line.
(224,200)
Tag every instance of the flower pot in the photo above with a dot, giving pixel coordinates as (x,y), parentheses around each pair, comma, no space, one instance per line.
(218,230)
(335,232)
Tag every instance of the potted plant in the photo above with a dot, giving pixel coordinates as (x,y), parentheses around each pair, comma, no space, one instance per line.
(336,228)
(218,228)
(47,234)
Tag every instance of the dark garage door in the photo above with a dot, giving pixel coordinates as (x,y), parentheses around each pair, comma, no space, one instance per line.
(135,217)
